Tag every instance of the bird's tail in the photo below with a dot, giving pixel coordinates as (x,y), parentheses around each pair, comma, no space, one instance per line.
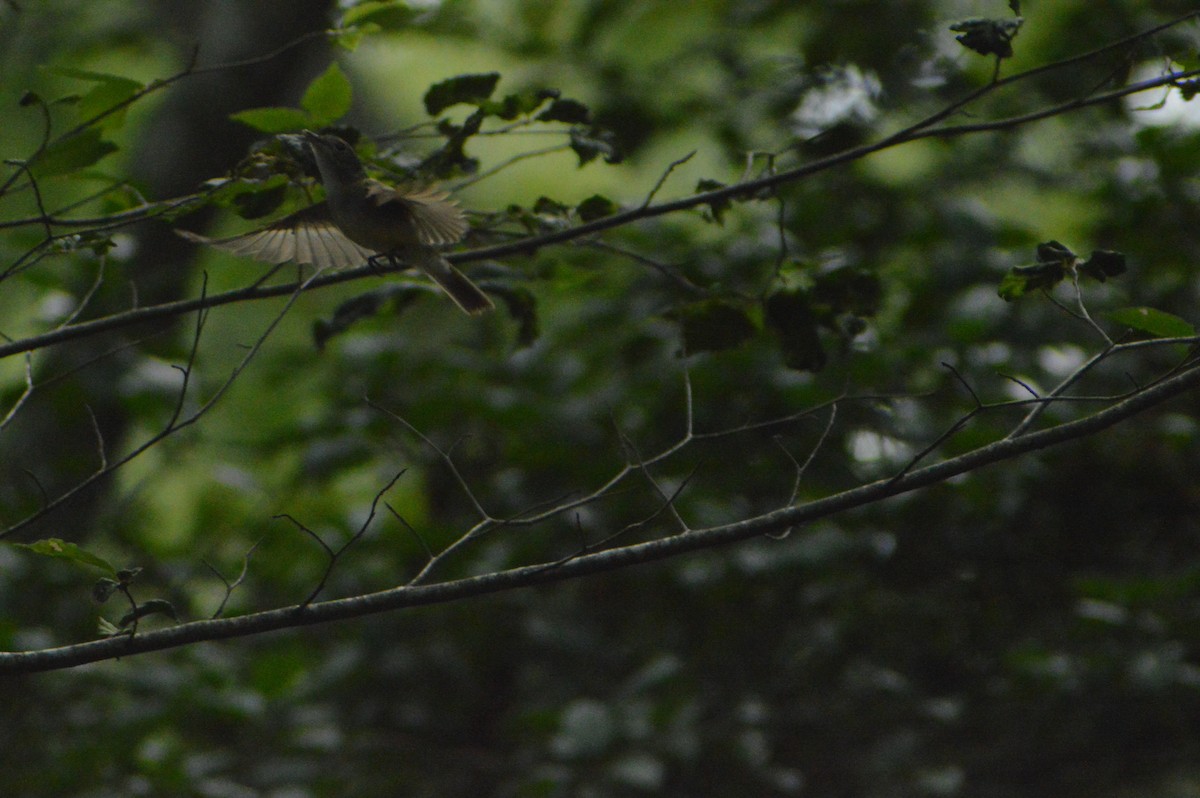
(456,284)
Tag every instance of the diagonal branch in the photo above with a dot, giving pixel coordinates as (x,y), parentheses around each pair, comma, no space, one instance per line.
(610,559)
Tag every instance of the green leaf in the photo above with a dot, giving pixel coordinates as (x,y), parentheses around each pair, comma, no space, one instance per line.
(72,153)
(792,318)
(65,550)
(1155,322)
(713,325)
(470,89)
(328,97)
(274,120)
(596,207)
(349,38)
(373,7)
(109,92)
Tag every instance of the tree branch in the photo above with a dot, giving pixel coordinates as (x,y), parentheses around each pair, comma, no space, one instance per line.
(608,560)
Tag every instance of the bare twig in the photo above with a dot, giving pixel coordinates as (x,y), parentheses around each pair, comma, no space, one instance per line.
(231,586)
(609,559)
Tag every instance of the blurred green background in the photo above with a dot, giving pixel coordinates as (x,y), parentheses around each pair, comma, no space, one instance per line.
(1030,629)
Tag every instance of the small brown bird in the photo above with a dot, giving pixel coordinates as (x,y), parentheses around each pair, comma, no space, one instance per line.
(362,218)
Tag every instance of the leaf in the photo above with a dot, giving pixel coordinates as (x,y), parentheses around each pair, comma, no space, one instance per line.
(1103,264)
(349,38)
(522,307)
(717,208)
(596,207)
(328,97)
(713,325)
(104,589)
(1054,252)
(792,318)
(988,36)
(549,207)
(588,144)
(72,153)
(470,89)
(273,120)
(572,112)
(520,104)
(371,8)
(109,92)
(361,307)
(151,607)
(1158,323)
(256,204)
(1023,279)
(65,550)
(848,290)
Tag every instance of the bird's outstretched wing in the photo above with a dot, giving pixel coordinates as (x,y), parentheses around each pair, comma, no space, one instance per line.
(438,220)
(307,236)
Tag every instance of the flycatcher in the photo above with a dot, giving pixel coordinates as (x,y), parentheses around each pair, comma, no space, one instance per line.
(362,218)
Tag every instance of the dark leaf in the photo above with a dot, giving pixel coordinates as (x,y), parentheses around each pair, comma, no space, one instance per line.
(1054,252)
(362,307)
(988,36)
(127,575)
(452,158)
(471,89)
(589,143)
(596,207)
(792,318)
(549,207)
(151,607)
(848,290)
(572,112)
(1023,279)
(716,208)
(713,325)
(522,307)
(104,588)
(521,104)
(255,204)
(1103,264)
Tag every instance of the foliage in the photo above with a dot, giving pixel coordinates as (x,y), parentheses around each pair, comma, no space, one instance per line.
(921,515)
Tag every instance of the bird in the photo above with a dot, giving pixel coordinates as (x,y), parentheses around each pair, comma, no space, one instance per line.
(360,220)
